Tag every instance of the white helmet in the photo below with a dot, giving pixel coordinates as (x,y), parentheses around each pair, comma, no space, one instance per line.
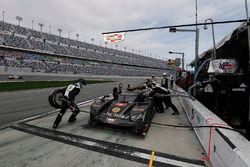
(164,74)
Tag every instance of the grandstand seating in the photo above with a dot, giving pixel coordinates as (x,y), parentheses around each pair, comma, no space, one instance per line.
(25,38)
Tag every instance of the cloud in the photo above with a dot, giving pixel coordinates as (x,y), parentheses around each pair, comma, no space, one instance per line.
(91,18)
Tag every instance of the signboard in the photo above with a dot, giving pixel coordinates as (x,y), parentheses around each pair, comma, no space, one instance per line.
(113,38)
(171,62)
(177,62)
(222,66)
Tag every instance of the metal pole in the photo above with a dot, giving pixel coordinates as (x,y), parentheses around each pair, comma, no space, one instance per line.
(214,46)
(3,20)
(248,31)
(68,34)
(32,24)
(248,34)
(196,39)
(3,16)
(182,60)
(77,35)
(49,29)
(213,40)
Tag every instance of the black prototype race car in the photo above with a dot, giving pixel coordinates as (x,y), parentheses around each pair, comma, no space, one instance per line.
(132,110)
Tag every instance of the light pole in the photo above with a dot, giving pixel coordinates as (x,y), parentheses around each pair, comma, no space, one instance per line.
(69,34)
(59,31)
(196,38)
(92,39)
(19,19)
(41,26)
(173,29)
(32,23)
(248,33)
(182,58)
(205,27)
(77,36)
(3,16)
(3,19)
(49,29)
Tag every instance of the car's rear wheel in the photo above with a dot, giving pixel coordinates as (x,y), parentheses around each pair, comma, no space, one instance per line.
(142,128)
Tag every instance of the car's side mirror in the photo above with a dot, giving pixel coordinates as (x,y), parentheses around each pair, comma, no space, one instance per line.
(102,99)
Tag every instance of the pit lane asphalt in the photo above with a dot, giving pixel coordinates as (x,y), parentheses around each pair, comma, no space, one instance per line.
(37,150)
(22,104)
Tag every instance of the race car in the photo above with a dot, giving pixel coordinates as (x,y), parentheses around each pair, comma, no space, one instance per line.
(133,110)
(15,77)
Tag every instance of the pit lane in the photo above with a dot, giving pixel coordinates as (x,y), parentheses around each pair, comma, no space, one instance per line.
(73,145)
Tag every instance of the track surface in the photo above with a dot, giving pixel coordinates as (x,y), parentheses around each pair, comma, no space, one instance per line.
(23,104)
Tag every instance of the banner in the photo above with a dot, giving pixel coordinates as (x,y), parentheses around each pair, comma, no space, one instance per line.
(222,66)
(113,38)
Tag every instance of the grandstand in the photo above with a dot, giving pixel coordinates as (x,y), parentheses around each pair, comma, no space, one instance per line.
(43,52)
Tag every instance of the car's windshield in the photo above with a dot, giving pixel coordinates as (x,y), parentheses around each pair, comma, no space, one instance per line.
(127,98)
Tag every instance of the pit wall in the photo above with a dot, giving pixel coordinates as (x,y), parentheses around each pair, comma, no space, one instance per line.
(223,147)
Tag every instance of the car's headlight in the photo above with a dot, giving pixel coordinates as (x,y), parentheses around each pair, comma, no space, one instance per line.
(136,117)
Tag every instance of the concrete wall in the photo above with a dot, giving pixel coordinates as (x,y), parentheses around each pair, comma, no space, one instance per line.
(223,147)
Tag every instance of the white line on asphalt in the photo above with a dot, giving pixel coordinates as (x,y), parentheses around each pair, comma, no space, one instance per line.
(43,114)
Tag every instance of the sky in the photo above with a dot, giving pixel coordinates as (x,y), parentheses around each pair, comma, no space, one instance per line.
(90,18)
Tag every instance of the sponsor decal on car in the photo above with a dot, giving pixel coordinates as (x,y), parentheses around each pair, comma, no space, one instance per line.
(116,115)
(116,109)
(110,120)
(138,109)
(121,104)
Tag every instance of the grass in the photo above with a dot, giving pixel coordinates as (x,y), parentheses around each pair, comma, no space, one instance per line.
(16,86)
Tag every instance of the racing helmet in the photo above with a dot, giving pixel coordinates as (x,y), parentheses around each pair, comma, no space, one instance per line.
(80,82)
(120,85)
(155,84)
(148,82)
(164,74)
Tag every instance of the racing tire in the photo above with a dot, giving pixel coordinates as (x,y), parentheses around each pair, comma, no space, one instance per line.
(235,121)
(142,128)
(55,98)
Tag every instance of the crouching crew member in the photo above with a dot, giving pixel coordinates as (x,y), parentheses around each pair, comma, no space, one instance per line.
(70,92)
(160,96)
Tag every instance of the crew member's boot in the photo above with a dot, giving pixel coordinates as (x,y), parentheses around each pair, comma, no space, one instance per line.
(72,118)
(57,121)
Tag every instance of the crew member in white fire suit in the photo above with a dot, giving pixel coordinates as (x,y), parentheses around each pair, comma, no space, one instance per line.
(70,92)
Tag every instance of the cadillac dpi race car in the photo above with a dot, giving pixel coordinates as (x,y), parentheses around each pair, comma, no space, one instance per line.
(132,110)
